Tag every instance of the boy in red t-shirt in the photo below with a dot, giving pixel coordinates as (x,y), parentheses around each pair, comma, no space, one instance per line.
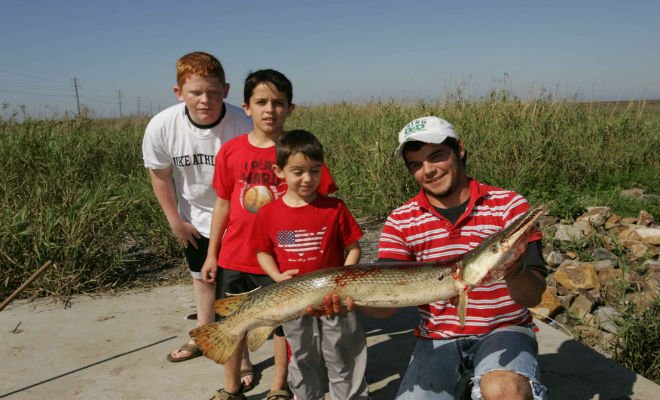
(244,181)
(301,232)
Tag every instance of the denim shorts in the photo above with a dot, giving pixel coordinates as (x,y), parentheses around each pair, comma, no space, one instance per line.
(437,366)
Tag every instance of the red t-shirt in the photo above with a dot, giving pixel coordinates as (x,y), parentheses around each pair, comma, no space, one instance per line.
(307,238)
(244,176)
(417,232)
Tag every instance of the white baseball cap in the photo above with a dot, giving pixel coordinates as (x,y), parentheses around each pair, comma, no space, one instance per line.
(426,130)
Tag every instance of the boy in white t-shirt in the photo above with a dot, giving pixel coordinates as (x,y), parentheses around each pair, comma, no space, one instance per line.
(179,148)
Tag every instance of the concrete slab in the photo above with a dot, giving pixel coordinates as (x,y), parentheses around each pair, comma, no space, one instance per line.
(114,347)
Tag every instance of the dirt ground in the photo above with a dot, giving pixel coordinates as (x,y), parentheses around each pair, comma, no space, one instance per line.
(114,347)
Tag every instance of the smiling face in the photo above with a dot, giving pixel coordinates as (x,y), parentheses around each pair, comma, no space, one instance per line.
(268,108)
(440,173)
(302,176)
(203,97)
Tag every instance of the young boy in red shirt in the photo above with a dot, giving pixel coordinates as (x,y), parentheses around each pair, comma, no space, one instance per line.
(244,181)
(301,232)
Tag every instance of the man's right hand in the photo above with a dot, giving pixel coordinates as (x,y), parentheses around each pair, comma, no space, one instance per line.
(331,305)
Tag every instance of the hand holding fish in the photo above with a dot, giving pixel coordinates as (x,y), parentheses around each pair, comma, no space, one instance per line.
(282,276)
(335,305)
(331,305)
(525,286)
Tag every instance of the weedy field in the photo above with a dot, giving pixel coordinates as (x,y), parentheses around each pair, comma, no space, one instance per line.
(75,191)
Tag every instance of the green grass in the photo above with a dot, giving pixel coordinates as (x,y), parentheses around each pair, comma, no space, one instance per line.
(638,343)
(562,154)
(75,191)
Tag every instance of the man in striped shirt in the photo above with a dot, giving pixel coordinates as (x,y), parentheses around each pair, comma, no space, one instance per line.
(451,215)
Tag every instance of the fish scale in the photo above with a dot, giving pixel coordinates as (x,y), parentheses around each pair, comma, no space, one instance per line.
(399,284)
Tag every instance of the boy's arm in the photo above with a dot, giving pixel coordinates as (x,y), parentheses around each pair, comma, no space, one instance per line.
(268,264)
(218,226)
(163,186)
(353,253)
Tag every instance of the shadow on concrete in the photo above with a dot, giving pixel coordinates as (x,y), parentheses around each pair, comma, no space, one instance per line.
(577,372)
(390,346)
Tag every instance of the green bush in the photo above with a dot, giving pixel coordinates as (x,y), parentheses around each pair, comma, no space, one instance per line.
(638,342)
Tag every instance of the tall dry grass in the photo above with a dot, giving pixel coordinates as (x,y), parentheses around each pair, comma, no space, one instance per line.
(75,191)
(562,154)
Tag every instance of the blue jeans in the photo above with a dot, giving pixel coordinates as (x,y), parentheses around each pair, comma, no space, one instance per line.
(436,366)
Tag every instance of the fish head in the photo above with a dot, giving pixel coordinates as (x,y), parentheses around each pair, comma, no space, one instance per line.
(500,254)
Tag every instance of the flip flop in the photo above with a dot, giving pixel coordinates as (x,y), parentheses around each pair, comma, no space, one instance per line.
(190,348)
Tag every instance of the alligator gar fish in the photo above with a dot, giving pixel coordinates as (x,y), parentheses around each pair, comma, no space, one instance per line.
(390,285)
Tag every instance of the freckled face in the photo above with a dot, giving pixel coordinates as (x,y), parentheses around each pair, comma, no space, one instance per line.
(203,97)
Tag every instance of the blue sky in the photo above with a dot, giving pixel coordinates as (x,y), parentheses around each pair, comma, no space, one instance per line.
(331,50)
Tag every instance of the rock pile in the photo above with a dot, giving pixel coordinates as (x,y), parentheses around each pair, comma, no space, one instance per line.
(600,265)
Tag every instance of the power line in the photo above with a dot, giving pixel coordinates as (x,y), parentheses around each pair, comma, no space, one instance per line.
(34,94)
(21,85)
(29,76)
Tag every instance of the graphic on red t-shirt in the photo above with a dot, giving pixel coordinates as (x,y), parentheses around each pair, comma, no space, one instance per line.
(253,197)
(305,238)
(300,240)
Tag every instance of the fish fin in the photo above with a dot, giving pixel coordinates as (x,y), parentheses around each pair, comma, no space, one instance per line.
(214,343)
(256,337)
(228,305)
(462,306)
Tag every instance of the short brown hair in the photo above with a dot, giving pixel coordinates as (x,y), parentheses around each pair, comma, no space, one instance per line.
(198,63)
(298,142)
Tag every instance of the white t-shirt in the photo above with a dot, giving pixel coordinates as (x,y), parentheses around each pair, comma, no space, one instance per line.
(172,140)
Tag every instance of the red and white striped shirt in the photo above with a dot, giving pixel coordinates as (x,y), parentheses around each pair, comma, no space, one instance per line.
(417,232)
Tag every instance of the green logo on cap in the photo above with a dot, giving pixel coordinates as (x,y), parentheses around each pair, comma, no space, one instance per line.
(414,126)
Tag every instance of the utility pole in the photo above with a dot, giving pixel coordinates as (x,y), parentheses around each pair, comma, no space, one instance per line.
(138,105)
(119,101)
(75,85)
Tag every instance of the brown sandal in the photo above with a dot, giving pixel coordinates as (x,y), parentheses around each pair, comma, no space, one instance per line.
(222,395)
(245,373)
(190,348)
(283,394)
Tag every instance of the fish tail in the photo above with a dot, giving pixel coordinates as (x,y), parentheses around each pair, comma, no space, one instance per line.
(226,306)
(214,343)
